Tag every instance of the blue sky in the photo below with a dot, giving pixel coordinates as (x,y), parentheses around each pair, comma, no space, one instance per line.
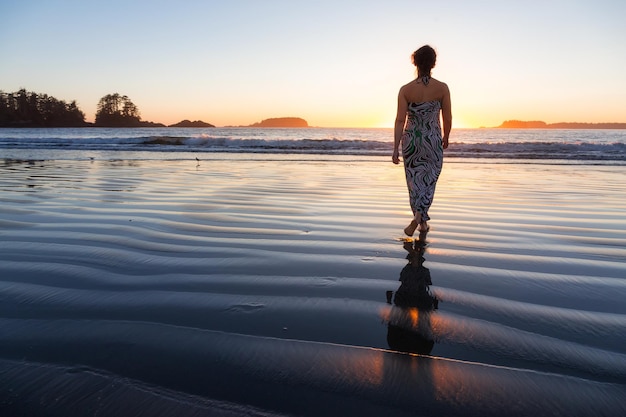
(334,63)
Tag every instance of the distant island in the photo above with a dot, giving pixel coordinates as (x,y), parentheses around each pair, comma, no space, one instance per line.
(195,123)
(282,122)
(535,124)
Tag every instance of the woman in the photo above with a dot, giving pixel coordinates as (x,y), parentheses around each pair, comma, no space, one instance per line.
(418,129)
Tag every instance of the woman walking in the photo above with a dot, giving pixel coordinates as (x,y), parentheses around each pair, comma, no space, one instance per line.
(417,129)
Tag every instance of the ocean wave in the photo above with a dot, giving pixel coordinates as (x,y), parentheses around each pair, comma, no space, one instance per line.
(541,150)
(313,142)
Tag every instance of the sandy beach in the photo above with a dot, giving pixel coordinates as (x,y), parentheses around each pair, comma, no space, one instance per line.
(251,284)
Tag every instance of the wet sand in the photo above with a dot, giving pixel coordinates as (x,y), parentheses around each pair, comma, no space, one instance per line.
(270,285)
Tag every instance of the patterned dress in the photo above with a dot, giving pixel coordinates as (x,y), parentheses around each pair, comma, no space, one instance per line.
(422,151)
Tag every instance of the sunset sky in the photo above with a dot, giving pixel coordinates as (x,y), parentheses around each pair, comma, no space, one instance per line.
(334,63)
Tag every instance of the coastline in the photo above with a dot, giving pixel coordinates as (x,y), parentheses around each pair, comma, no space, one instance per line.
(227,281)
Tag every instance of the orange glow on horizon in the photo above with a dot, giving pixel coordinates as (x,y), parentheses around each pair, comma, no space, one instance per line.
(383,120)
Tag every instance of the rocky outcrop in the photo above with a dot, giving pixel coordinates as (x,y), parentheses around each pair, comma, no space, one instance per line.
(519,124)
(195,123)
(282,122)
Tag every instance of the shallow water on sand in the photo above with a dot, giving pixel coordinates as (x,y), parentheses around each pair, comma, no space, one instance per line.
(216,284)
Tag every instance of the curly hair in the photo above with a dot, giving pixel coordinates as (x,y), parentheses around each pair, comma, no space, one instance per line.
(424,59)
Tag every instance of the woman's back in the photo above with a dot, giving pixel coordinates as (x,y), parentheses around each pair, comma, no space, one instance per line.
(418,92)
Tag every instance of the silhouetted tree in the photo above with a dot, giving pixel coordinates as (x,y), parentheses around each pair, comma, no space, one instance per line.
(115,110)
(27,109)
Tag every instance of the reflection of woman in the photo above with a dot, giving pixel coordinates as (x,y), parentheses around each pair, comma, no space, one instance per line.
(408,329)
(418,129)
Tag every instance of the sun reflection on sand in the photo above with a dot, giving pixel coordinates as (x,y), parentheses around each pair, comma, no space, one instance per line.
(369,366)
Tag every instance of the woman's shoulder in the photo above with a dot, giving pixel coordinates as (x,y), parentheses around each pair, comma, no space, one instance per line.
(439,83)
(442,86)
(407,86)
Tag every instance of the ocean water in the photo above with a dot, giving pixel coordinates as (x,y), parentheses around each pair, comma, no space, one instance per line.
(605,146)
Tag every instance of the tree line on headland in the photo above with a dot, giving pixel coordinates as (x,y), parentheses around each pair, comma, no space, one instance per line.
(28,109)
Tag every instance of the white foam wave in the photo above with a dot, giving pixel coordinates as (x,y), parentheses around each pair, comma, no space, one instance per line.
(314,142)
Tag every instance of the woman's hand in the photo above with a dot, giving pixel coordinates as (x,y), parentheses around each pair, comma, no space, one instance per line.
(395,158)
(445,143)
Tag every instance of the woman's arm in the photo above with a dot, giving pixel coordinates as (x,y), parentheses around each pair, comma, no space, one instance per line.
(446,112)
(399,126)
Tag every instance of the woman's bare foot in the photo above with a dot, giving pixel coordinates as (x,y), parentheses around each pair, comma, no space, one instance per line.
(410,229)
